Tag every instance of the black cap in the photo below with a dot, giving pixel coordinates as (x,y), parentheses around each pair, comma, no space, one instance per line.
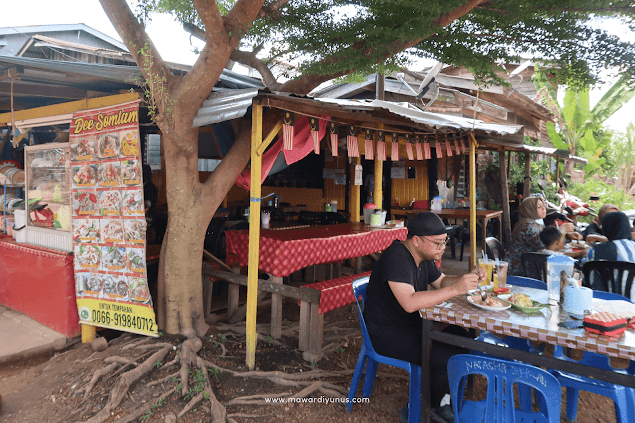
(425,224)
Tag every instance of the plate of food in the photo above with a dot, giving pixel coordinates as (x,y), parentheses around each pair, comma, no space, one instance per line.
(523,303)
(490,303)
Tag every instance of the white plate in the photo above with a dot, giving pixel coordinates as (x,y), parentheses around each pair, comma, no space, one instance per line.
(484,307)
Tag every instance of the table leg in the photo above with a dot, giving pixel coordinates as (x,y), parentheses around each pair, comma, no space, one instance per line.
(426,385)
(276,311)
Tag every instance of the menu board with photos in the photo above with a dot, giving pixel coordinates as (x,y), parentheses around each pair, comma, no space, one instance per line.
(108,220)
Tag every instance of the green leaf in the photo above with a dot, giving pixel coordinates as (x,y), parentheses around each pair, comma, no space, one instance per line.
(555,138)
(587,142)
(618,95)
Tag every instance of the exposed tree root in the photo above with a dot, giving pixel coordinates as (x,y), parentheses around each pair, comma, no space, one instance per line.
(158,345)
(127,379)
(141,410)
(99,373)
(165,379)
(135,344)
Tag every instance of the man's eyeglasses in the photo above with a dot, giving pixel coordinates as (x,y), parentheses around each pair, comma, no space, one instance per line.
(440,245)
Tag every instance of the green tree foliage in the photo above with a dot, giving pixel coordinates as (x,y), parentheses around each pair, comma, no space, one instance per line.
(580,127)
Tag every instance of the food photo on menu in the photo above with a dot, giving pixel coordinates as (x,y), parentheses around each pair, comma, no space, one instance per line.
(109,203)
(109,174)
(130,172)
(138,290)
(129,143)
(134,231)
(86,230)
(84,148)
(115,286)
(84,175)
(113,258)
(111,230)
(136,260)
(108,145)
(85,203)
(89,283)
(87,256)
(132,203)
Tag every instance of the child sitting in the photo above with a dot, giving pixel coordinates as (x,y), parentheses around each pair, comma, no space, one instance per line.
(553,240)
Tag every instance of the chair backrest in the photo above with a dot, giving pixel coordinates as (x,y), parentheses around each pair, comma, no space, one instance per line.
(526,282)
(609,296)
(535,265)
(610,276)
(359,290)
(501,375)
(494,248)
(331,218)
(309,217)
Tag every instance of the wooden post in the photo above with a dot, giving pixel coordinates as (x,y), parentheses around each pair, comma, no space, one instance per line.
(557,172)
(473,145)
(507,232)
(378,195)
(254,235)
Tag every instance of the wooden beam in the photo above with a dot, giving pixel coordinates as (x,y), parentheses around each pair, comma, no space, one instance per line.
(15,72)
(506,230)
(70,107)
(35,90)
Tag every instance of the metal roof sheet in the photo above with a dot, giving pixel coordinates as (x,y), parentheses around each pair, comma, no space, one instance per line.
(549,151)
(30,29)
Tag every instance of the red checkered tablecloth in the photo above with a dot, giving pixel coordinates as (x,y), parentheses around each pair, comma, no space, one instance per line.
(336,292)
(285,252)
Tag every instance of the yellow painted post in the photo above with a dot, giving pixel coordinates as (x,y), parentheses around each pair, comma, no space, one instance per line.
(355,194)
(379,171)
(88,333)
(473,144)
(254,235)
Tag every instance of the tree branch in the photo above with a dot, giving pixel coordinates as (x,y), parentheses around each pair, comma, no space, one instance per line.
(272,10)
(250,59)
(307,82)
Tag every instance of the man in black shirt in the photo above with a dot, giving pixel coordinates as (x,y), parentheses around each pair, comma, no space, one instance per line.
(398,289)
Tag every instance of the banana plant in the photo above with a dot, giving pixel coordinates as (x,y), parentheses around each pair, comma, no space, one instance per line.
(577,121)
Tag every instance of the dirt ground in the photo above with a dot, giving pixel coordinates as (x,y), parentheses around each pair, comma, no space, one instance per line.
(50,388)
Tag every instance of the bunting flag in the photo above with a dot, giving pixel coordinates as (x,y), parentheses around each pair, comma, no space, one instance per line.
(314,124)
(409,152)
(426,149)
(369,148)
(287,130)
(351,141)
(418,148)
(448,148)
(381,146)
(334,131)
(394,154)
(437,146)
(463,146)
(456,146)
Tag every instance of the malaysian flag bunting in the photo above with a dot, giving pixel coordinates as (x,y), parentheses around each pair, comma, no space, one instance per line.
(369,148)
(287,130)
(334,131)
(351,141)
(314,123)
(418,148)
(437,146)
(448,148)
(456,146)
(394,154)
(426,150)
(381,146)
(463,146)
(409,151)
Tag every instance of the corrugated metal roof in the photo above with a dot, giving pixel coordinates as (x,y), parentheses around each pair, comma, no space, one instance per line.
(554,152)
(31,29)
(224,105)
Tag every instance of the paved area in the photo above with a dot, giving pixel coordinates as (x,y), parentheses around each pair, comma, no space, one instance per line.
(21,336)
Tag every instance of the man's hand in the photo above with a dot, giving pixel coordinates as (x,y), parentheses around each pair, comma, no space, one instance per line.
(574,235)
(469,281)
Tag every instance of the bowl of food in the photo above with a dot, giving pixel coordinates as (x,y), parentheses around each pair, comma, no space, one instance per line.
(523,303)
(490,303)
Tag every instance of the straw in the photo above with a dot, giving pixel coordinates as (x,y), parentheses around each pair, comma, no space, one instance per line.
(484,255)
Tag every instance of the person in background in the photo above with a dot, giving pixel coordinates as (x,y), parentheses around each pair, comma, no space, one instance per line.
(526,234)
(156,221)
(594,233)
(399,288)
(620,245)
(553,240)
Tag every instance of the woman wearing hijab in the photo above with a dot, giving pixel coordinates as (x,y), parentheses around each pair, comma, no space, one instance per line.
(593,233)
(526,233)
(620,246)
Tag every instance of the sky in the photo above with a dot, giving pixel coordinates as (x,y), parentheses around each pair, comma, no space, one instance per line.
(174,44)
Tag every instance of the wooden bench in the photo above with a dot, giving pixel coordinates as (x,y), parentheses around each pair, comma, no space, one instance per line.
(309,300)
(335,293)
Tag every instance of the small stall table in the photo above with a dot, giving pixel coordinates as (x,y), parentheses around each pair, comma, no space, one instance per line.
(39,283)
(542,327)
(482,217)
(283,252)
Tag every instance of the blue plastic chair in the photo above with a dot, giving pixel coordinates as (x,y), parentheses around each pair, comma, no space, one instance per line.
(623,397)
(368,353)
(526,282)
(499,404)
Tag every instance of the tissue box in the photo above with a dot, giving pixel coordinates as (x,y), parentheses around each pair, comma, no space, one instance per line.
(605,324)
